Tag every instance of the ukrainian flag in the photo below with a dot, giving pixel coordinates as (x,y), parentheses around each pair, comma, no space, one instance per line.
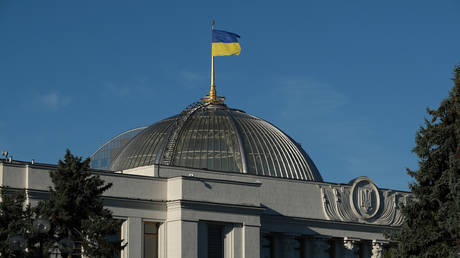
(225,43)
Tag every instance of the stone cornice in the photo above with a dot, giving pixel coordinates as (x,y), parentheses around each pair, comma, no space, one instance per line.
(218,207)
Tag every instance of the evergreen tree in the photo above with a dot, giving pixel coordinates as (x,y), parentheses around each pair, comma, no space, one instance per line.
(19,236)
(432,220)
(15,223)
(79,222)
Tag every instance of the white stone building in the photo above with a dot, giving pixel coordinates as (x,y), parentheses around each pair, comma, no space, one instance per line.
(216,182)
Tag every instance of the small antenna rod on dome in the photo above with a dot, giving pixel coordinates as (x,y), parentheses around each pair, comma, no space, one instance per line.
(212,97)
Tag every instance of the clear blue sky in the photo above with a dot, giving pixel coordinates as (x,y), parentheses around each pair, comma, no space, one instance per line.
(349,80)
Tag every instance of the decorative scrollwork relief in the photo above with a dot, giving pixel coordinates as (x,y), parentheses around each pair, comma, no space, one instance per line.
(361,201)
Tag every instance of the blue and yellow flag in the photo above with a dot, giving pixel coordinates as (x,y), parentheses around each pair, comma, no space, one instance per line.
(225,43)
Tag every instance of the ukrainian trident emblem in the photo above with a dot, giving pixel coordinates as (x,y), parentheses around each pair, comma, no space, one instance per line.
(364,198)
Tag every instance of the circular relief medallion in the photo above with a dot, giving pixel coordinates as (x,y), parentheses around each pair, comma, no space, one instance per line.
(364,198)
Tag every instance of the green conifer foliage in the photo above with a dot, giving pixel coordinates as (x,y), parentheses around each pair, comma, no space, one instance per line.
(76,212)
(432,219)
(15,222)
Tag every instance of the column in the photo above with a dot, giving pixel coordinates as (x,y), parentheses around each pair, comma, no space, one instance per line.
(182,239)
(251,241)
(290,246)
(307,246)
(351,247)
(320,247)
(229,242)
(134,238)
(236,241)
(162,245)
(377,249)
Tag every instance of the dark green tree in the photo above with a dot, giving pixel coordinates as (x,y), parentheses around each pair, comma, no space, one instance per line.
(432,218)
(19,234)
(79,221)
(15,223)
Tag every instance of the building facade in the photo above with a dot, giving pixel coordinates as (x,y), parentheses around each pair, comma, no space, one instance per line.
(216,182)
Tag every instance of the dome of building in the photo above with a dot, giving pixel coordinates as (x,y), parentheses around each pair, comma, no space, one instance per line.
(214,137)
(102,158)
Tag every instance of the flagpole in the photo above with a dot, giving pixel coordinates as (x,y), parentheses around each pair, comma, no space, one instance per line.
(212,91)
(212,98)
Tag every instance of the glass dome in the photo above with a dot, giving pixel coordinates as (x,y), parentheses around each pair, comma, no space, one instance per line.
(102,158)
(215,137)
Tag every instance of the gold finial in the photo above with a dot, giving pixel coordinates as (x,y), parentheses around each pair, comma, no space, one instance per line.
(212,97)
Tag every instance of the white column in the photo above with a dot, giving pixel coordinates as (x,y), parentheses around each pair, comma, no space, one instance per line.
(377,249)
(233,240)
(236,241)
(162,245)
(229,241)
(351,247)
(182,239)
(124,237)
(135,238)
(251,241)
